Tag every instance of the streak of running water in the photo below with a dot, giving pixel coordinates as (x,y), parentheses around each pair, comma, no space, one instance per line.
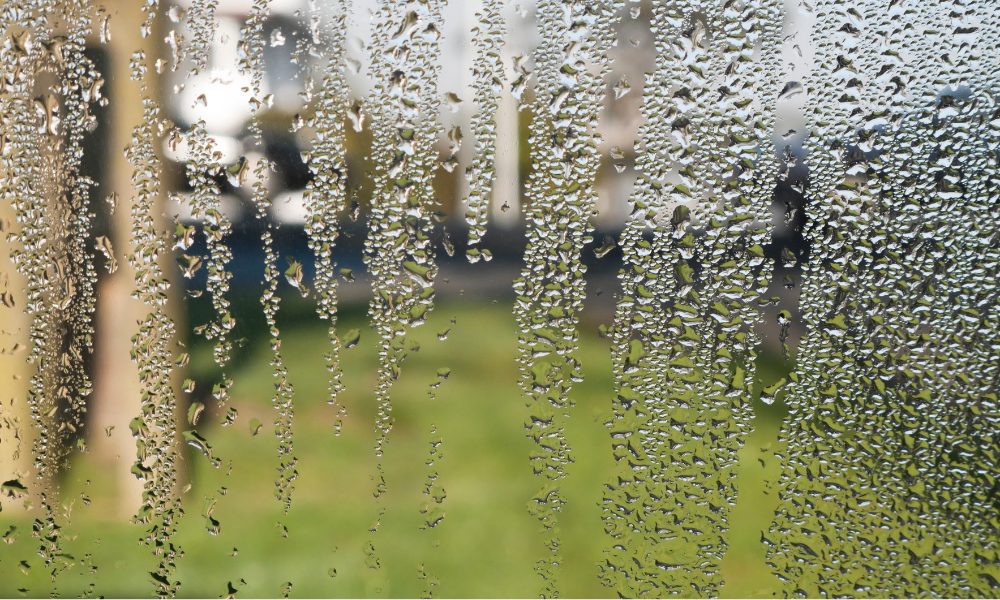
(326,195)
(684,337)
(398,250)
(432,507)
(46,95)
(550,291)
(155,429)
(488,39)
(205,200)
(252,65)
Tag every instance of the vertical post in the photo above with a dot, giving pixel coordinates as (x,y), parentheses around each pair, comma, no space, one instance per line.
(117,389)
(15,421)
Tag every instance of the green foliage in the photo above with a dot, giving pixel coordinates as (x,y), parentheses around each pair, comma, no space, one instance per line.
(486,545)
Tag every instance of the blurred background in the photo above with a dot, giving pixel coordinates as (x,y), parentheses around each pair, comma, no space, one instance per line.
(457,391)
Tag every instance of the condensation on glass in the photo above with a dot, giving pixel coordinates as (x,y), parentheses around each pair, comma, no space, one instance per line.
(867,131)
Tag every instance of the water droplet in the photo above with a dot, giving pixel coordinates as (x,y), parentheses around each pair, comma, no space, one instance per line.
(104,245)
(351,338)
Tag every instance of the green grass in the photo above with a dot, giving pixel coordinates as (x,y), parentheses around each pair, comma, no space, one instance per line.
(487,544)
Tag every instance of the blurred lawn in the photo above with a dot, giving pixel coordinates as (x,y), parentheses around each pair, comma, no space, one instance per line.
(487,544)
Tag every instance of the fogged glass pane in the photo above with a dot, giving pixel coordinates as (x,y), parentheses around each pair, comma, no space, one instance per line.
(486,298)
